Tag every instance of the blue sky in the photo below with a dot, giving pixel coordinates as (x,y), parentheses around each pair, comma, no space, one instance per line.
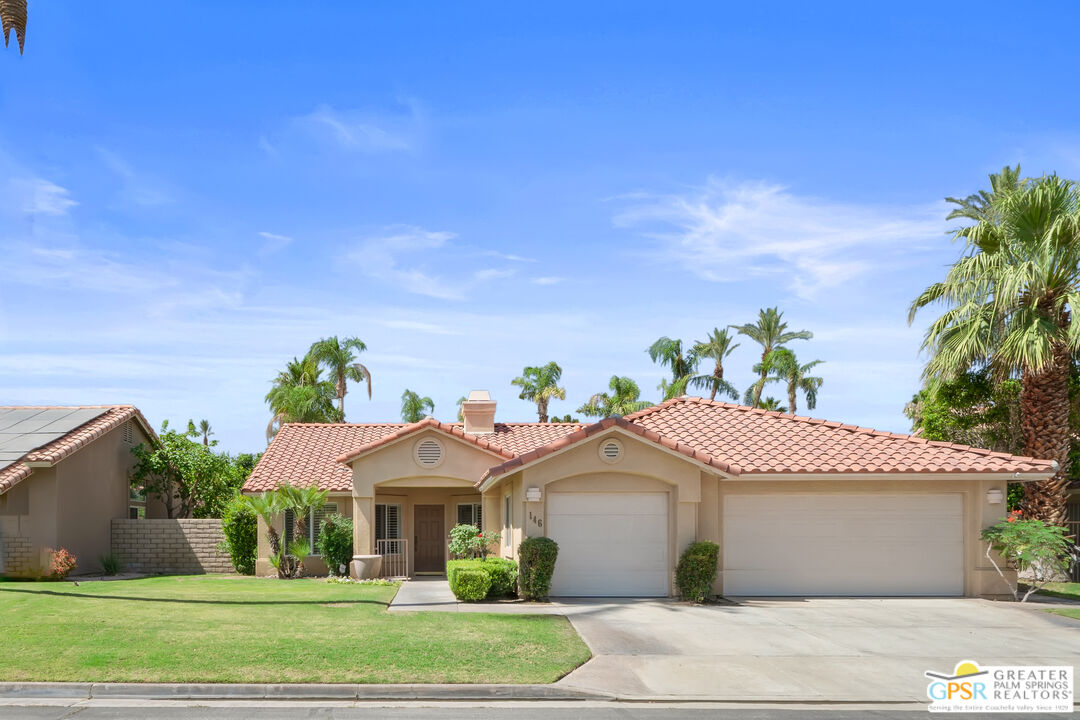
(194,192)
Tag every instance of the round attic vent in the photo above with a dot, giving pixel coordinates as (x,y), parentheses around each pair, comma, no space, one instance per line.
(429,453)
(610,451)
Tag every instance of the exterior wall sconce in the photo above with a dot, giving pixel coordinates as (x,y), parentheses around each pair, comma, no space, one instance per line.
(994,496)
(533,494)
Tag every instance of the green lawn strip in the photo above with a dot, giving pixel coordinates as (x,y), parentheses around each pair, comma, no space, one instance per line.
(231,629)
(1068,591)
(1073,613)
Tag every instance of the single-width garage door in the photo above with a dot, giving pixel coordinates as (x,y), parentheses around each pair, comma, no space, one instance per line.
(610,544)
(843,544)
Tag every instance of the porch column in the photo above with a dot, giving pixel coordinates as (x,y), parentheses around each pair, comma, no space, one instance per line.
(365,564)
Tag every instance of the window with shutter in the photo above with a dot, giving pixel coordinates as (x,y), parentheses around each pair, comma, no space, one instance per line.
(290,525)
(387,522)
(317,518)
(469,514)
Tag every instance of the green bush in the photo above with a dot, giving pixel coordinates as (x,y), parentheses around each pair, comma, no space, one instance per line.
(110,564)
(696,571)
(336,543)
(239,524)
(470,585)
(537,556)
(501,573)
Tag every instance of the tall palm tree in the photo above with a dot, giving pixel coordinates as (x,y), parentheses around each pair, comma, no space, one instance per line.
(669,353)
(1010,302)
(623,400)
(206,432)
(300,394)
(783,366)
(415,408)
(770,332)
(540,385)
(340,359)
(13,17)
(771,403)
(717,347)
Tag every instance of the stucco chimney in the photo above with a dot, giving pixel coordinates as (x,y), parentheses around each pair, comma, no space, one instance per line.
(479,413)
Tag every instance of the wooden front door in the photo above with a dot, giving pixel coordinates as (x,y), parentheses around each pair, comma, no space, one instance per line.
(429,539)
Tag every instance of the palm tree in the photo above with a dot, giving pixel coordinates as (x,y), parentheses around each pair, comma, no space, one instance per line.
(13,17)
(669,353)
(623,400)
(540,385)
(300,394)
(784,367)
(339,357)
(770,332)
(771,403)
(301,501)
(414,408)
(267,506)
(206,432)
(1009,306)
(717,347)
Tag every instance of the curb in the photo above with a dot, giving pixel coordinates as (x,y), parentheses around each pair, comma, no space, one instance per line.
(284,691)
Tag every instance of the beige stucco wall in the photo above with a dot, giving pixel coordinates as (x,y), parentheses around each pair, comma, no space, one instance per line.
(70,504)
(696,498)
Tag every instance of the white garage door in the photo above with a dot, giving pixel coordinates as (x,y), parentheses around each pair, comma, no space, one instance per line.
(610,544)
(843,544)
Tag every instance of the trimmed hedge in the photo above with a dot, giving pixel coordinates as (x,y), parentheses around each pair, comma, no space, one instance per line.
(501,577)
(240,527)
(696,571)
(470,585)
(537,555)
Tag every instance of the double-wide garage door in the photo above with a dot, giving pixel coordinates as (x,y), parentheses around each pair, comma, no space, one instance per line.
(865,544)
(610,544)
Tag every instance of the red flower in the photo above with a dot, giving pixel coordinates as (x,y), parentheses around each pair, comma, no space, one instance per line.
(1011,518)
(479,535)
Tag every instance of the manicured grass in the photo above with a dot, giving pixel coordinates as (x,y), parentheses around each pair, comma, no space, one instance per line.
(1073,613)
(240,629)
(1069,591)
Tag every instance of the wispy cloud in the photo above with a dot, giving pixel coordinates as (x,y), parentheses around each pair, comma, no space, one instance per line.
(274,243)
(737,230)
(38,196)
(364,131)
(135,188)
(547,280)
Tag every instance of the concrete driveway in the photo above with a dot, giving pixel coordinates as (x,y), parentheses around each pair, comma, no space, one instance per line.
(868,650)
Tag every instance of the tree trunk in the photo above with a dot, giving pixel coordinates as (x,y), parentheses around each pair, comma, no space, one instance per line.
(1044,418)
(760,387)
(541,410)
(718,377)
(791,397)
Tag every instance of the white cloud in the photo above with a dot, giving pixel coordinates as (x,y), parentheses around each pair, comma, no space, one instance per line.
(41,197)
(274,243)
(548,280)
(728,231)
(364,131)
(493,274)
(135,188)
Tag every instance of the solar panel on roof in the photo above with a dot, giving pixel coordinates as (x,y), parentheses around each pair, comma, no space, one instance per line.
(26,429)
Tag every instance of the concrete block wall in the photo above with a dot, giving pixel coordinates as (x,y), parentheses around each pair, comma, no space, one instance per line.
(17,557)
(180,546)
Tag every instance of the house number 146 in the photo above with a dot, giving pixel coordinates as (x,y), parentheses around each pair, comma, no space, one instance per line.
(536,519)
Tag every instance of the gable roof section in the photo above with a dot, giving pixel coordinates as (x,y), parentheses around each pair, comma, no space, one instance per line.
(57,432)
(304,454)
(740,441)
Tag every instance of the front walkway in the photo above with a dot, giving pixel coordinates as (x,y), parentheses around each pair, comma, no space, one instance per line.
(424,593)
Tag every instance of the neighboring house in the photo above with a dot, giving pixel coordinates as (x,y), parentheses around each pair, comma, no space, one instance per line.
(64,476)
(798,506)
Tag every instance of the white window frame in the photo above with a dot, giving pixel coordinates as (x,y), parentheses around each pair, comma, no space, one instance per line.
(477,513)
(508,508)
(313,536)
(386,521)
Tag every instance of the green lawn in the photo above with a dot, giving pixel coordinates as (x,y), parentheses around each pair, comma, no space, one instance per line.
(1069,591)
(238,629)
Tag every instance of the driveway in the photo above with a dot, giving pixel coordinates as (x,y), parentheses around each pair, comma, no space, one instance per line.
(870,650)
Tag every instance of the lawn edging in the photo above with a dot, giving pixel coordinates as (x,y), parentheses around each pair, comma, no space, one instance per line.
(292,691)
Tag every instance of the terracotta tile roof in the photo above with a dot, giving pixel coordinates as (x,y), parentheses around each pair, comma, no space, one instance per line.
(740,440)
(58,449)
(305,454)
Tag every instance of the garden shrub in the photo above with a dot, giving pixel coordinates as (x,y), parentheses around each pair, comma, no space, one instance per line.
(336,543)
(61,562)
(501,573)
(696,571)
(110,564)
(240,527)
(537,556)
(468,541)
(1040,551)
(470,585)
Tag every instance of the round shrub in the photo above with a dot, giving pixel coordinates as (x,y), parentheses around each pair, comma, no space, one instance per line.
(336,543)
(537,556)
(696,571)
(240,527)
(470,585)
(501,573)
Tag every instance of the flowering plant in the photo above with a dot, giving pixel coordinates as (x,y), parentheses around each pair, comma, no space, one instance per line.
(61,562)
(470,541)
(1038,550)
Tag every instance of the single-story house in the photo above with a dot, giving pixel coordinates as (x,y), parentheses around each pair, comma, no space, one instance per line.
(64,476)
(799,506)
